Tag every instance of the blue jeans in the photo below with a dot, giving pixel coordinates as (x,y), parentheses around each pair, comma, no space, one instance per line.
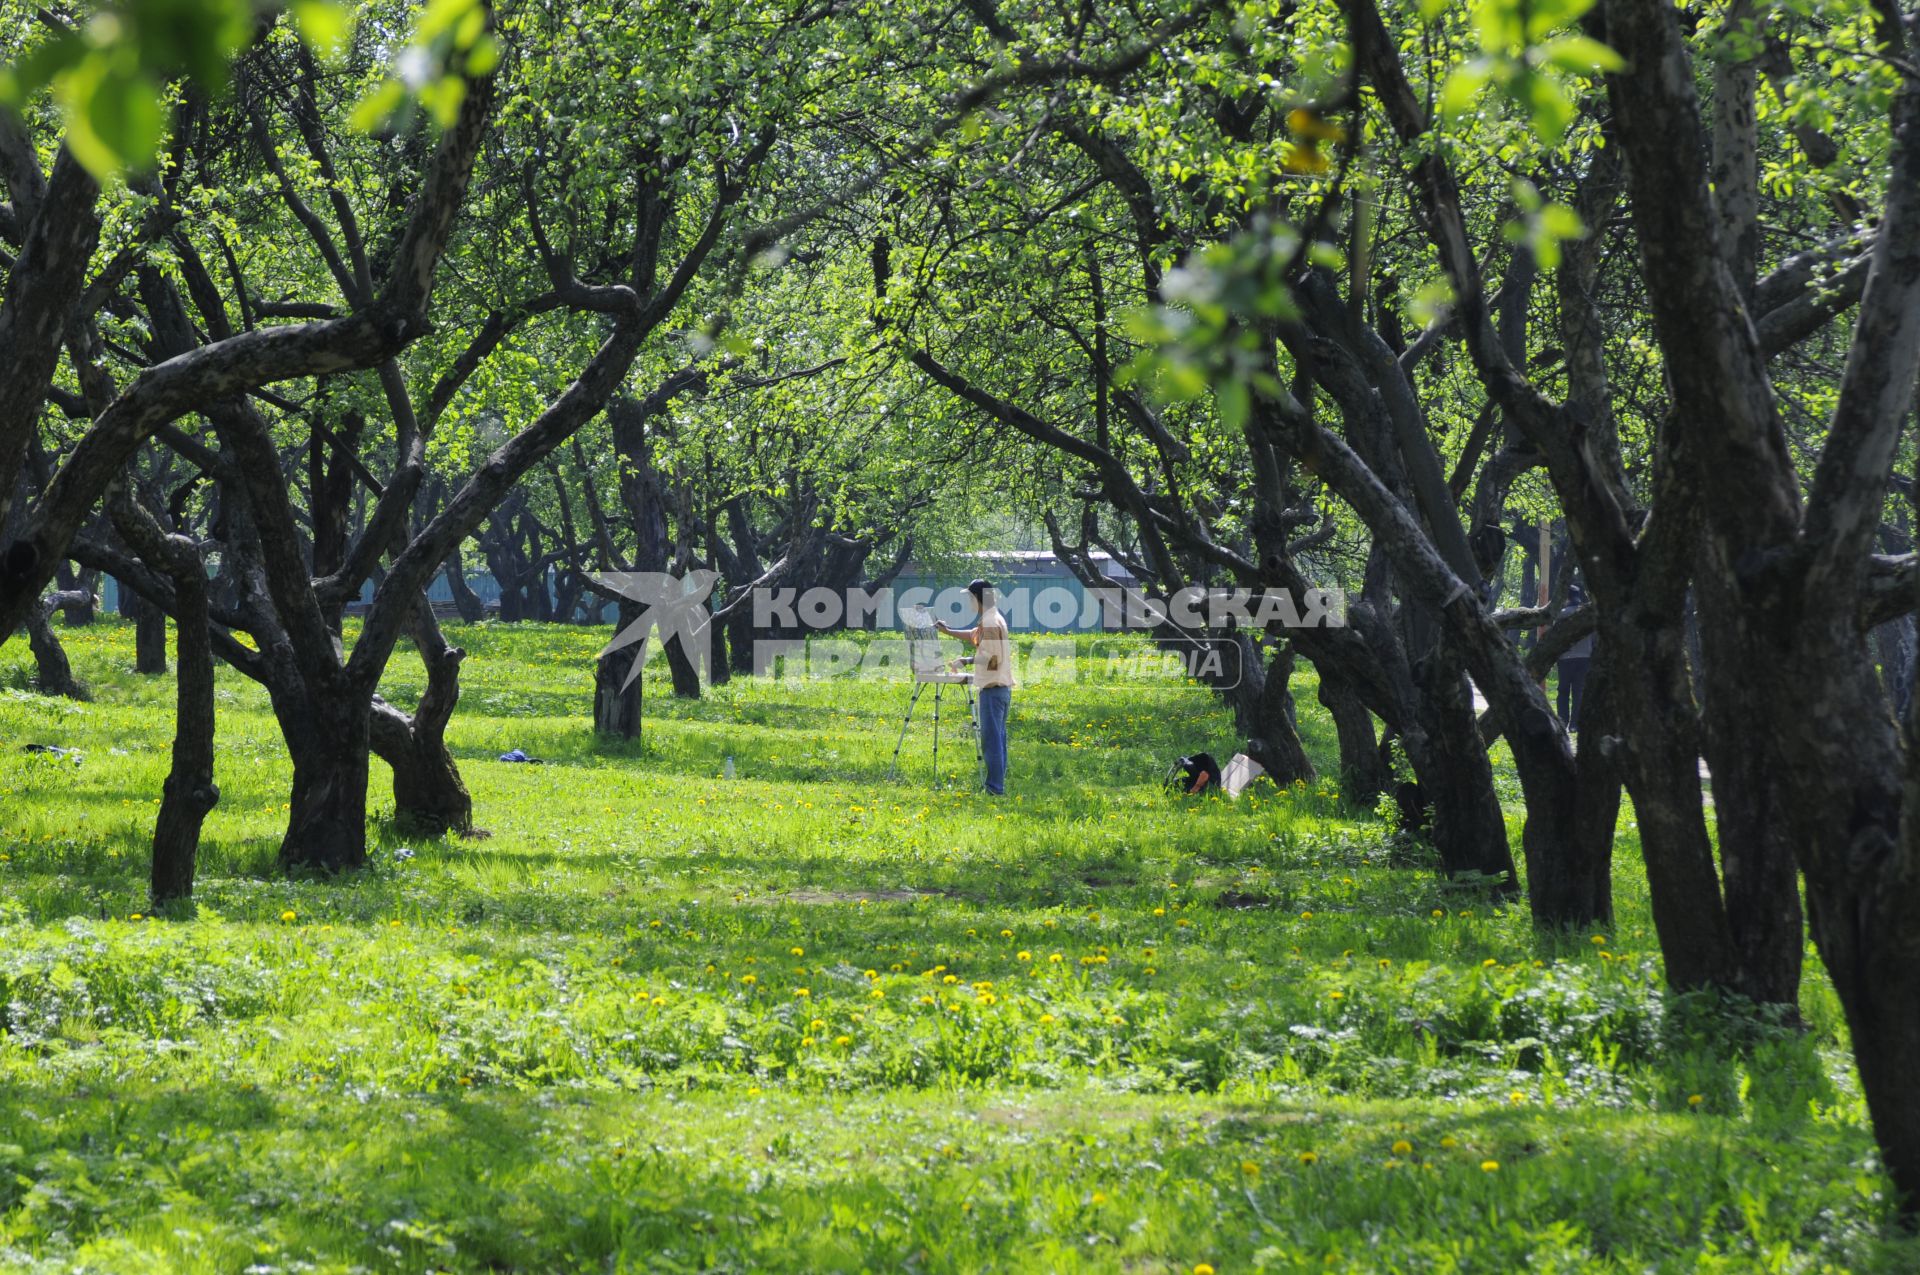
(994,703)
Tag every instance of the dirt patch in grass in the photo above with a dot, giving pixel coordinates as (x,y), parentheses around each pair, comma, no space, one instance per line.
(1241,900)
(863,896)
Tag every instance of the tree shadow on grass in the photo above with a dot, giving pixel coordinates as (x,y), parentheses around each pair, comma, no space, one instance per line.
(495,1179)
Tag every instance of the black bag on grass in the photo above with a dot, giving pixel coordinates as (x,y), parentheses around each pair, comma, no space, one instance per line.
(1196,773)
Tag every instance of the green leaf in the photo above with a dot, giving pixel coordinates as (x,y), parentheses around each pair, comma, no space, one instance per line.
(114,120)
(1498,22)
(1549,15)
(1429,300)
(441,16)
(1551,109)
(485,56)
(1182,381)
(1581,55)
(1561,222)
(323,24)
(374,109)
(1463,88)
(442,99)
(1234,402)
(36,68)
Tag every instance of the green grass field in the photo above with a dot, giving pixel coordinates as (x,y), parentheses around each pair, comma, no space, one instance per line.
(805,1019)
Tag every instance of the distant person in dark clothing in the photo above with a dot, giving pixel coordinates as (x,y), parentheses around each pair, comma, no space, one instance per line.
(1573,667)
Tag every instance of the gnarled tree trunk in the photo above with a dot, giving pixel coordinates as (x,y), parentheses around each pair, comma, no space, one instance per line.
(1758,872)
(465,600)
(1660,732)
(1450,763)
(53,673)
(190,792)
(79,601)
(616,710)
(428,794)
(149,633)
(686,678)
(1273,739)
(327,733)
(1363,776)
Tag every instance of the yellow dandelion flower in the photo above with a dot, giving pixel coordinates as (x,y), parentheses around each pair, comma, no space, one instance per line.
(287,916)
(1309,1157)
(802,992)
(1403,1147)
(1449,1142)
(1489,1166)
(1694,1100)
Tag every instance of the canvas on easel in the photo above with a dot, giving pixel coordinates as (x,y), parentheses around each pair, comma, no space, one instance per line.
(930,668)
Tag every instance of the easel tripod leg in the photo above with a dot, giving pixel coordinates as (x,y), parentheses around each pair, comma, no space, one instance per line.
(893,769)
(979,747)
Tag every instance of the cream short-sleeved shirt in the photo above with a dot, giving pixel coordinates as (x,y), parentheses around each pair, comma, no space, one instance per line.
(993,655)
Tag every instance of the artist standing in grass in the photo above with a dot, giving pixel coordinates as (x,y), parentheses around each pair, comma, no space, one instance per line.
(992,662)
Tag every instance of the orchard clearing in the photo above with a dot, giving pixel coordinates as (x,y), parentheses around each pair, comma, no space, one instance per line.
(805,1019)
